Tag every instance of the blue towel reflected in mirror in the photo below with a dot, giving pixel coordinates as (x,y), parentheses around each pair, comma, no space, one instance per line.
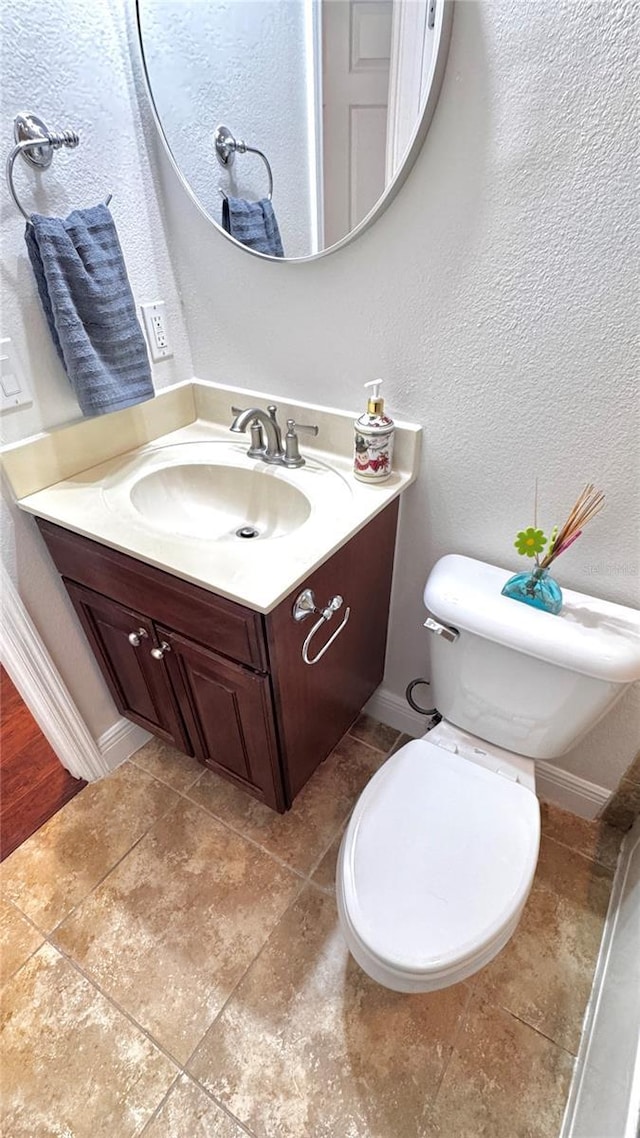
(253,224)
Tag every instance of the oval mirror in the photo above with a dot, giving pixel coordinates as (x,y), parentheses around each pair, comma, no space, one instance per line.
(293,123)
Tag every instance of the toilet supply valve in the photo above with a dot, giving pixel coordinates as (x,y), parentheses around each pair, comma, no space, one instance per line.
(304,606)
(408,695)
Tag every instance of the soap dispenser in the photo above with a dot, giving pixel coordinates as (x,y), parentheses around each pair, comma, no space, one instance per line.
(374,439)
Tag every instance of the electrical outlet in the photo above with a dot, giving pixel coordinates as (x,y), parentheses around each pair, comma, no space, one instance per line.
(155,325)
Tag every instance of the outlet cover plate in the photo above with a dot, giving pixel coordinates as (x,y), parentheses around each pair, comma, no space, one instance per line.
(155,326)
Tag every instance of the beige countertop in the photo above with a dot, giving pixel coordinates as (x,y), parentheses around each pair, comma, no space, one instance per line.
(70,478)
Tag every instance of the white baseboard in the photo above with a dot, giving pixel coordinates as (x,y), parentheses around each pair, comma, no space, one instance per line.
(38,681)
(392,709)
(569,791)
(120,741)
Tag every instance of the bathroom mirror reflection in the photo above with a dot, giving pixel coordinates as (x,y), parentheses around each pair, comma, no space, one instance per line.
(336,95)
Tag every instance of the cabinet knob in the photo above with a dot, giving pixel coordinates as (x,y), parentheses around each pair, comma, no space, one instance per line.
(158,653)
(134,638)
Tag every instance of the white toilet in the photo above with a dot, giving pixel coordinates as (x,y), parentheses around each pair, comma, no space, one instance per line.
(439,856)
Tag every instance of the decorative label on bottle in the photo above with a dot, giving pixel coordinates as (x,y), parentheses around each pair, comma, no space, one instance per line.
(373,454)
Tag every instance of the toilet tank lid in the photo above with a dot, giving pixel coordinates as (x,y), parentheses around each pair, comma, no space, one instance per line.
(592,637)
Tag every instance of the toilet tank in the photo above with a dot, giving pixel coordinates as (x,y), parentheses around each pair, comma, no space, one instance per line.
(529,681)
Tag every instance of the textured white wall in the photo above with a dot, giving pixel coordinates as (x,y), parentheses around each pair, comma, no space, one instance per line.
(498,296)
(68,62)
(244,65)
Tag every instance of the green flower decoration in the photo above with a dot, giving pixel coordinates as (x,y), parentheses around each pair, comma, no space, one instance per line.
(530,541)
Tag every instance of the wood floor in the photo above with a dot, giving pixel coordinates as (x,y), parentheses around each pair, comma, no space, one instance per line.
(33,782)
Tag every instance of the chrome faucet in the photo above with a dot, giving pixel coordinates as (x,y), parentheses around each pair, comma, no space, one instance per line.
(269,451)
(265,426)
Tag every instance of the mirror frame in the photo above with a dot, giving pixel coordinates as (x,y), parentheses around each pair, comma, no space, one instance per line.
(444,16)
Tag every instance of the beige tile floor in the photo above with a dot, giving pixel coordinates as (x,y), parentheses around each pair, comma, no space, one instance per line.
(173,968)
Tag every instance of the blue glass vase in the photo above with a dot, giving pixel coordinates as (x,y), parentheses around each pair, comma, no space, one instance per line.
(535,588)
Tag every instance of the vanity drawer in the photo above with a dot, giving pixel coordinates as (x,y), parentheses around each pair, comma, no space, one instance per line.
(210,620)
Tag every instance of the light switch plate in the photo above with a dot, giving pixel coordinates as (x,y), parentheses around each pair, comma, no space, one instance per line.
(14,389)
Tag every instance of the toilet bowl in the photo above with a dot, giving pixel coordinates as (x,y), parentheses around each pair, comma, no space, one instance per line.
(437,861)
(439,856)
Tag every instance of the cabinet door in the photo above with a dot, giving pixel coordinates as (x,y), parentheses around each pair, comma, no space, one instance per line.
(138,682)
(229,715)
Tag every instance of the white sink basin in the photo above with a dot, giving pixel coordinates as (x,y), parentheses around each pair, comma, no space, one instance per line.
(211,492)
(217,502)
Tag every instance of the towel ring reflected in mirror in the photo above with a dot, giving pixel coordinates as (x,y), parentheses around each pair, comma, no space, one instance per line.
(226,147)
(279,82)
(36,143)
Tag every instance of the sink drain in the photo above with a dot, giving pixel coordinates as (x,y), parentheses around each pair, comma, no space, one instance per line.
(247,531)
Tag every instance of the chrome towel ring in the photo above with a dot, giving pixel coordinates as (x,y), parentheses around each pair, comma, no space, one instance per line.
(36,143)
(304,606)
(227,147)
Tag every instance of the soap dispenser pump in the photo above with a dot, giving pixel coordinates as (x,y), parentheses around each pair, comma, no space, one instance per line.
(374,439)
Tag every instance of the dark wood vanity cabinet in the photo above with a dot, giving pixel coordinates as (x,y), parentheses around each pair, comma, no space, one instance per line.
(225,683)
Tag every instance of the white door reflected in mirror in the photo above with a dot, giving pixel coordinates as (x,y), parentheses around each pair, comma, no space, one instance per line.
(334,97)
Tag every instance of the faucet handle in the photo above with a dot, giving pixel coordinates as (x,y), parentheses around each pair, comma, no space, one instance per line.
(293,428)
(292,456)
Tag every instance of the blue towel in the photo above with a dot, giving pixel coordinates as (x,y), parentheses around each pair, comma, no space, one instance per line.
(253,224)
(89,306)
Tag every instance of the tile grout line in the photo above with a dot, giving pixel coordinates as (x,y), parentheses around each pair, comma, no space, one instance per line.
(115,865)
(303,885)
(158,778)
(221,1106)
(307,876)
(238,833)
(184,1075)
(93,983)
(456,1036)
(100,880)
(159,1105)
(175,1062)
(48,938)
(187,1070)
(40,933)
(572,849)
(119,1008)
(543,1034)
(345,822)
(305,880)
(380,750)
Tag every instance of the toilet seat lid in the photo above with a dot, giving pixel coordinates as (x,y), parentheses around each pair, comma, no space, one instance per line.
(439,855)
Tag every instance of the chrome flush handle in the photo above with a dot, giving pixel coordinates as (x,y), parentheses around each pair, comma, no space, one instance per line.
(444,630)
